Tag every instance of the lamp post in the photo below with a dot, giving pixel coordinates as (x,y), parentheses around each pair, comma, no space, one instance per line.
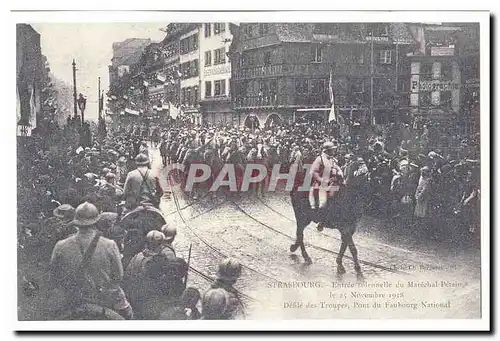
(74,88)
(82,102)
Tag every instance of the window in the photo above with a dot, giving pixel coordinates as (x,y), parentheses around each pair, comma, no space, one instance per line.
(189,69)
(189,44)
(301,86)
(385,57)
(263,29)
(425,99)
(446,71)
(379,30)
(403,85)
(220,56)
(317,86)
(445,98)
(208,32)
(267,58)
(357,86)
(194,68)
(317,54)
(219,28)
(208,89)
(220,88)
(360,57)
(195,94)
(382,30)
(208,58)
(248,29)
(426,69)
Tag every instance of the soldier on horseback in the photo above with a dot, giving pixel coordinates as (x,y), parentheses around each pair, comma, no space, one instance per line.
(326,175)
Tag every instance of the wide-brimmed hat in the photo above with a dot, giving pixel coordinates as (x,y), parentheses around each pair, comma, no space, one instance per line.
(86,214)
(141,160)
(65,211)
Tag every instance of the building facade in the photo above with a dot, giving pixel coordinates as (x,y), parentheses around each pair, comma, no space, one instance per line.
(29,66)
(125,96)
(215,73)
(435,73)
(282,71)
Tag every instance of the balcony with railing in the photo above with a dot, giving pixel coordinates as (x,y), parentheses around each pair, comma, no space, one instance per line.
(282,100)
(301,70)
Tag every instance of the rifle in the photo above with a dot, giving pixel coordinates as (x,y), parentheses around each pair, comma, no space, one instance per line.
(189,260)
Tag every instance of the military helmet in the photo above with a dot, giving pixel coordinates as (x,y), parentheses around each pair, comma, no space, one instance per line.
(229,269)
(86,214)
(154,237)
(169,231)
(214,304)
(141,160)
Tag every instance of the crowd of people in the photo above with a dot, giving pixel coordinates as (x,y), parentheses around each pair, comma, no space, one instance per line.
(70,187)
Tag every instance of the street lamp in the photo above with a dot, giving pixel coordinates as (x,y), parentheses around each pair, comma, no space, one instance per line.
(82,102)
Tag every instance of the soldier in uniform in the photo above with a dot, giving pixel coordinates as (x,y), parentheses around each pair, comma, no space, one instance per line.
(141,185)
(169,232)
(228,273)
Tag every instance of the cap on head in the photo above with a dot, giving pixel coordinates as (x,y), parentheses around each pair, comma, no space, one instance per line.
(86,214)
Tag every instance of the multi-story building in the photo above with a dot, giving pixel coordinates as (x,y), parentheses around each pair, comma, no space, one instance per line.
(435,73)
(124,64)
(189,71)
(468,57)
(215,73)
(281,71)
(445,75)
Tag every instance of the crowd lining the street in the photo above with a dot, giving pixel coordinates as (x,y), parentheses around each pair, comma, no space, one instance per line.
(71,183)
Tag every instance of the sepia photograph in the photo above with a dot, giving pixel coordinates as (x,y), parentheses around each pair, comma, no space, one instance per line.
(252,170)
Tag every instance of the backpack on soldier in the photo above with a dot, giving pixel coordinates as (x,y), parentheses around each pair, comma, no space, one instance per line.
(166,274)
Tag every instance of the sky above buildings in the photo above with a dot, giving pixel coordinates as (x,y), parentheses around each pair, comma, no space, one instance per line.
(91,47)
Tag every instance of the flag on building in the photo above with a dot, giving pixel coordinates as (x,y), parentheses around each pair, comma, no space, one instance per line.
(331,116)
(174,111)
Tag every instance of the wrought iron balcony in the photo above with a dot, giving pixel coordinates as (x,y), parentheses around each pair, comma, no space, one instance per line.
(312,69)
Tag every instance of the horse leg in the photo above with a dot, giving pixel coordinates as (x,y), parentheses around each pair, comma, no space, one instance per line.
(343,247)
(354,253)
(298,240)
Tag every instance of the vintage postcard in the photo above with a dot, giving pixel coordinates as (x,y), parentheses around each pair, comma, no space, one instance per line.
(256,168)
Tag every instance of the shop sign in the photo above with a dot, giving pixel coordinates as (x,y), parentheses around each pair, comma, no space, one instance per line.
(438,86)
(217,70)
(442,51)
(472,83)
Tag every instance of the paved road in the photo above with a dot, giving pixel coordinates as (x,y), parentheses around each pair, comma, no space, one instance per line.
(259,231)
